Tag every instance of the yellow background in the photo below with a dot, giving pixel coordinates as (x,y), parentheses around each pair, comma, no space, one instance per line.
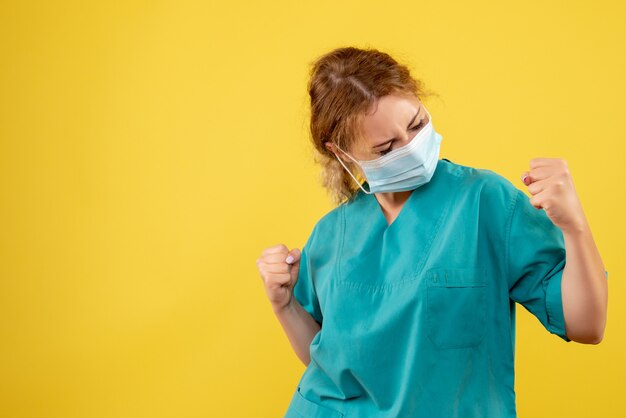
(150,150)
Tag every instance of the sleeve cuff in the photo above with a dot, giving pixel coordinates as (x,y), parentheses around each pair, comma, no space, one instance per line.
(554,306)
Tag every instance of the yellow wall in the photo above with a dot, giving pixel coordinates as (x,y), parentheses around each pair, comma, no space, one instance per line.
(149,151)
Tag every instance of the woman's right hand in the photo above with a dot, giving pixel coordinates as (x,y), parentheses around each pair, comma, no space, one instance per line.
(279,269)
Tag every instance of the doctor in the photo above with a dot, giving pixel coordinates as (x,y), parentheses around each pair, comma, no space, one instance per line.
(402,301)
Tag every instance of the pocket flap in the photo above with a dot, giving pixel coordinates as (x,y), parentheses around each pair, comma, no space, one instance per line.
(310,409)
(456,277)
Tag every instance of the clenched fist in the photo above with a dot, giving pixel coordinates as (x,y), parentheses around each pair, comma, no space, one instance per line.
(552,188)
(279,269)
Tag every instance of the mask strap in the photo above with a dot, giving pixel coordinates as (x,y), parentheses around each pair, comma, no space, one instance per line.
(349,172)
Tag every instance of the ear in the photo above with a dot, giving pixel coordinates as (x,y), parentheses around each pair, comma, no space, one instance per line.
(332,148)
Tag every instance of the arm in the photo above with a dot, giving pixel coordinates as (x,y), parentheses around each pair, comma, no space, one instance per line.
(300,328)
(584,287)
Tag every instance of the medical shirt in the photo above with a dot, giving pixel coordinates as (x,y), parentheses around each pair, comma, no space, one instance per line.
(418,317)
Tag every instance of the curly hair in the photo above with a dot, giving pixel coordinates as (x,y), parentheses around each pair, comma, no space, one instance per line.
(343,85)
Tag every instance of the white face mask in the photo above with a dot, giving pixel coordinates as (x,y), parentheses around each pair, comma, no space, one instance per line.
(404,168)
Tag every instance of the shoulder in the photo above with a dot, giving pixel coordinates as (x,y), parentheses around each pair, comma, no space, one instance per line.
(476,177)
(488,184)
(330,222)
(487,195)
(325,230)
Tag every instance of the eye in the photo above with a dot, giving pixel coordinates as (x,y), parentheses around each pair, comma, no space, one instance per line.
(386,151)
(419,125)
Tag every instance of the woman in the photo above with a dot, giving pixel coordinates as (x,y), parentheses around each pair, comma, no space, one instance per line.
(402,301)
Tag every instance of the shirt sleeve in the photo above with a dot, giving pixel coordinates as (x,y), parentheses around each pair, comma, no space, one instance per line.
(304,289)
(536,259)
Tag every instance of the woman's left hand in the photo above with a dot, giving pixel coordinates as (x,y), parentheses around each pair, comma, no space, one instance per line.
(552,188)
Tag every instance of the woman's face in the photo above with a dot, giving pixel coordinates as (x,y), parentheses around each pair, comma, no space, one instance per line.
(395,122)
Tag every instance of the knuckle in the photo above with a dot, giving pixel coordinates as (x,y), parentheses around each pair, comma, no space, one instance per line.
(282,248)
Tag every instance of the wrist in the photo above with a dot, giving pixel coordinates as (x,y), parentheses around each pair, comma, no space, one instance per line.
(287,307)
(576,229)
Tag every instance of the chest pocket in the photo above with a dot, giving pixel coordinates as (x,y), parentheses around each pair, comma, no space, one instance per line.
(456,307)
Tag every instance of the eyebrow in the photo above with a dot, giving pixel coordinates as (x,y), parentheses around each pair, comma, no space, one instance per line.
(410,123)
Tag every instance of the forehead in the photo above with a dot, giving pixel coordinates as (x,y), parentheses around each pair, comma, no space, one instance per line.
(389,115)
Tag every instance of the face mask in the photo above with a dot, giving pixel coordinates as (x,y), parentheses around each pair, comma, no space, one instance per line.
(404,168)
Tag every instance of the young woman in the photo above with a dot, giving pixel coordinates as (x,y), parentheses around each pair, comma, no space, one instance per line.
(402,301)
